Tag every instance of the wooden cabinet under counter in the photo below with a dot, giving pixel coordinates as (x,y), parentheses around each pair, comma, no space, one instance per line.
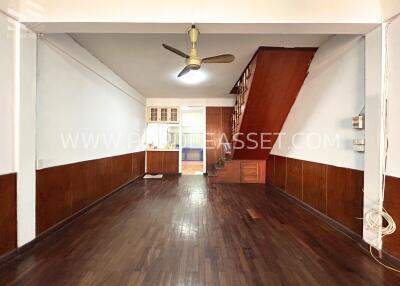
(162,161)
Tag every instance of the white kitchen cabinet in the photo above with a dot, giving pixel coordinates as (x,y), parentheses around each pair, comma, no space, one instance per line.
(162,114)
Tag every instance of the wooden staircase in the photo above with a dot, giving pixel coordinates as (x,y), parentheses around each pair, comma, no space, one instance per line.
(226,170)
(265,93)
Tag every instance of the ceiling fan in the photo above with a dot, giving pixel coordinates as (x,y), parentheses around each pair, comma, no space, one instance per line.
(193,61)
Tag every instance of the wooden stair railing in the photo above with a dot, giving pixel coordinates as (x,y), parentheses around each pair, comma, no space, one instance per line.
(242,90)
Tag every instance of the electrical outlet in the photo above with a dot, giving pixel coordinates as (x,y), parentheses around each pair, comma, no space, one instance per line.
(359,145)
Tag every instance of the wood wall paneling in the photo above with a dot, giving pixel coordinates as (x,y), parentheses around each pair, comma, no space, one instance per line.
(262,167)
(138,164)
(81,185)
(53,196)
(64,190)
(314,185)
(103,178)
(8,213)
(333,191)
(345,197)
(213,128)
(280,172)
(270,170)
(391,243)
(294,179)
(226,126)
(121,169)
(218,127)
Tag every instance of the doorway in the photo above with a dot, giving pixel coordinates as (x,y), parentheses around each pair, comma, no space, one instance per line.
(193,128)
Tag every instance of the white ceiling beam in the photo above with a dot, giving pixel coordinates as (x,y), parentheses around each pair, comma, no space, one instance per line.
(206,28)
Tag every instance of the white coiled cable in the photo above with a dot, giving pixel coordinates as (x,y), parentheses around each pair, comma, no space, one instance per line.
(375,220)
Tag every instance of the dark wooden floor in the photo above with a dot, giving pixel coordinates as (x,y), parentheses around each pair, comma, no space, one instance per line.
(180,231)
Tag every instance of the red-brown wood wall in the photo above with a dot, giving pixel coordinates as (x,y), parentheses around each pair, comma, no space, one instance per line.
(335,192)
(8,213)
(391,243)
(218,125)
(62,191)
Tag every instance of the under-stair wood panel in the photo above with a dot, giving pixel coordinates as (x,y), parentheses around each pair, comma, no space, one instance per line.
(240,171)
(278,76)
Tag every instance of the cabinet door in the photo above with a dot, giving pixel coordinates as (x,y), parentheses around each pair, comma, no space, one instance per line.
(173,114)
(249,172)
(171,162)
(153,114)
(163,114)
(154,162)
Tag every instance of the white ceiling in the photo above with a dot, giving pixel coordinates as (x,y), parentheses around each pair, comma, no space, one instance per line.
(141,60)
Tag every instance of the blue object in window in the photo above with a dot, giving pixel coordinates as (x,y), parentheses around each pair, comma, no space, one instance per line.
(192,154)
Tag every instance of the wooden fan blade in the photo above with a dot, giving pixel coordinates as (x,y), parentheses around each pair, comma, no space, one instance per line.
(225,58)
(184,71)
(176,51)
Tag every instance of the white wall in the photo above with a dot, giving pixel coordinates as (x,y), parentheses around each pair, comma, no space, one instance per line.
(393,168)
(10,6)
(7,87)
(332,93)
(390,8)
(81,99)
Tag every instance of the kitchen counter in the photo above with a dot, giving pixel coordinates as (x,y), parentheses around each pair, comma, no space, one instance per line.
(162,161)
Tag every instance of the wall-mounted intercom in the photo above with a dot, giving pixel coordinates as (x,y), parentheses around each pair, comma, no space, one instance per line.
(358,122)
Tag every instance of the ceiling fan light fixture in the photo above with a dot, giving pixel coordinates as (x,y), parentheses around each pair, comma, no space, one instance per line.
(193,77)
(192,59)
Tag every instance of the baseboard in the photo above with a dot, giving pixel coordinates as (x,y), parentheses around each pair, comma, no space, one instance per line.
(326,219)
(386,257)
(53,229)
(8,256)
